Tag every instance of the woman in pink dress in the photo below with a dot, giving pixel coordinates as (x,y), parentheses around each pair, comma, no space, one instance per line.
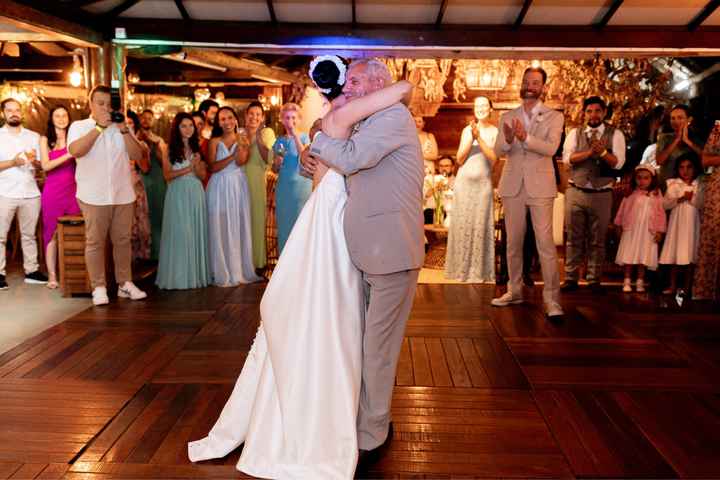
(58,195)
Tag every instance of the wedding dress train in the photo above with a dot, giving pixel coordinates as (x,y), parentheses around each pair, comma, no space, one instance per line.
(295,403)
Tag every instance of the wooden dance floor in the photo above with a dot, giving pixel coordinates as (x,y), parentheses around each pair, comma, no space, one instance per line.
(627,388)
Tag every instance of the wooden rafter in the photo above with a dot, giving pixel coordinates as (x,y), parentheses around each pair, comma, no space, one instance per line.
(271,11)
(354,13)
(183,11)
(117,11)
(614,6)
(79,3)
(38,21)
(257,69)
(310,39)
(441,13)
(521,15)
(708,10)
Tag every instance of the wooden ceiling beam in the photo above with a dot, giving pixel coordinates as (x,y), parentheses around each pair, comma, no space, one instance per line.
(614,6)
(369,39)
(117,11)
(521,15)
(271,11)
(708,10)
(27,37)
(258,69)
(183,11)
(441,13)
(354,13)
(37,21)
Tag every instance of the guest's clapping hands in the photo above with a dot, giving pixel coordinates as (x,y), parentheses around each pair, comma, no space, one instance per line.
(509,133)
(519,129)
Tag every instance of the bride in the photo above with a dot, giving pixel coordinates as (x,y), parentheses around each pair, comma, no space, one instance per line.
(295,403)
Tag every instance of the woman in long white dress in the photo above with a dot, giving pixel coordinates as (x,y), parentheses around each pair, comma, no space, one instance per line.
(295,403)
(228,200)
(471,237)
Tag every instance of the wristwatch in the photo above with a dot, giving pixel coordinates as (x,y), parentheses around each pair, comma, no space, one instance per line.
(125,130)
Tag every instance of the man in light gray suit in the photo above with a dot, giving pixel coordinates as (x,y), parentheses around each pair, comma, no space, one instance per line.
(383,165)
(529,139)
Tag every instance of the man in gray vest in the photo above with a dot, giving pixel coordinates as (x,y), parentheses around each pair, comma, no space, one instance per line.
(595,155)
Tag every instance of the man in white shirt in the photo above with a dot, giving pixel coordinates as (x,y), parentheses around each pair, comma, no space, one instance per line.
(530,137)
(19,193)
(105,193)
(595,155)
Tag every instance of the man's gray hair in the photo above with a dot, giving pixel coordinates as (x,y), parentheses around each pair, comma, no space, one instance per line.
(374,68)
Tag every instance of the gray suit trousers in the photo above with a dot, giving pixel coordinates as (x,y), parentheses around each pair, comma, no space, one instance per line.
(587,216)
(389,300)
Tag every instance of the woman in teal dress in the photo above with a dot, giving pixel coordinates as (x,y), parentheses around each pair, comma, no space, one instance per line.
(292,189)
(261,140)
(155,185)
(184,244)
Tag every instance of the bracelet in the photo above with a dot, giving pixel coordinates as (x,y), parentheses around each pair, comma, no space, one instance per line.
(100,128)
(126,131)
(604,153)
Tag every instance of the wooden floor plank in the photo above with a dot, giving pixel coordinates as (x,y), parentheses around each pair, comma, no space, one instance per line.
(422,372)
(481,392)
(438,363)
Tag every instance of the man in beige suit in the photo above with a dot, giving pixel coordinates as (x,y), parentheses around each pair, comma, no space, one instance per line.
(530,137)
(383,165)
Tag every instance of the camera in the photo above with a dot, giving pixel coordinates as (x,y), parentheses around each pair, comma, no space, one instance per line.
(116,115)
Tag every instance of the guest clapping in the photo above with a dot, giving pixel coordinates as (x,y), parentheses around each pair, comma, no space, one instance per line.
(19,193)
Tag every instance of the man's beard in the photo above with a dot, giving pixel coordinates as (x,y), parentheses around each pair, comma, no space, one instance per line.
(594,123)
(526,93)
(14,123)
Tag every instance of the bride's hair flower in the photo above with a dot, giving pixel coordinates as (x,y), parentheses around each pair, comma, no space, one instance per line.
(328,74)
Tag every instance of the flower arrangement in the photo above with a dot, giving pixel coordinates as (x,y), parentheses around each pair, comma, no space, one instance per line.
(437,185)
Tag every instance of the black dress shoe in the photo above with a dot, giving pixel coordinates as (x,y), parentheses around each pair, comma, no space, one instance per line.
(596,288)
(528,280)
(368,458)
(569,286)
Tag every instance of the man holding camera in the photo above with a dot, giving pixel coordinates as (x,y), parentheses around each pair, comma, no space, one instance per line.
(102,146)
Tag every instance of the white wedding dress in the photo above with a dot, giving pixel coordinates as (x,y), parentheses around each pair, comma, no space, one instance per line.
(296,400)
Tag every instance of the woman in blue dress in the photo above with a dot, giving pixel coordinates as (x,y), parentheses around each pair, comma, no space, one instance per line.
(184,242)
(228,198)
(292,189)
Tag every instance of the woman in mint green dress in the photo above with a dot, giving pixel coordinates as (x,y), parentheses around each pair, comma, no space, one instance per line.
(184,243)
(261,140)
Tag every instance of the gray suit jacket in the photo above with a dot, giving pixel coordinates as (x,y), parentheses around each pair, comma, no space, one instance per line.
(383,165)
(530,164)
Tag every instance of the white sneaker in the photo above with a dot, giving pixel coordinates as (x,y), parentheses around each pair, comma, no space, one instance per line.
(640,285)
(553,309)
(129,290)
(627,286)
(506,299)
(99,296)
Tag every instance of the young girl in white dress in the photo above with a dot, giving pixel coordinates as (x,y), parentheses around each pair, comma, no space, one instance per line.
(683,234)
(295,403)
(641,218)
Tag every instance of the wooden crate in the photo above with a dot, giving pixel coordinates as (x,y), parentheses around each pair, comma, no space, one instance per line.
(71,255)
